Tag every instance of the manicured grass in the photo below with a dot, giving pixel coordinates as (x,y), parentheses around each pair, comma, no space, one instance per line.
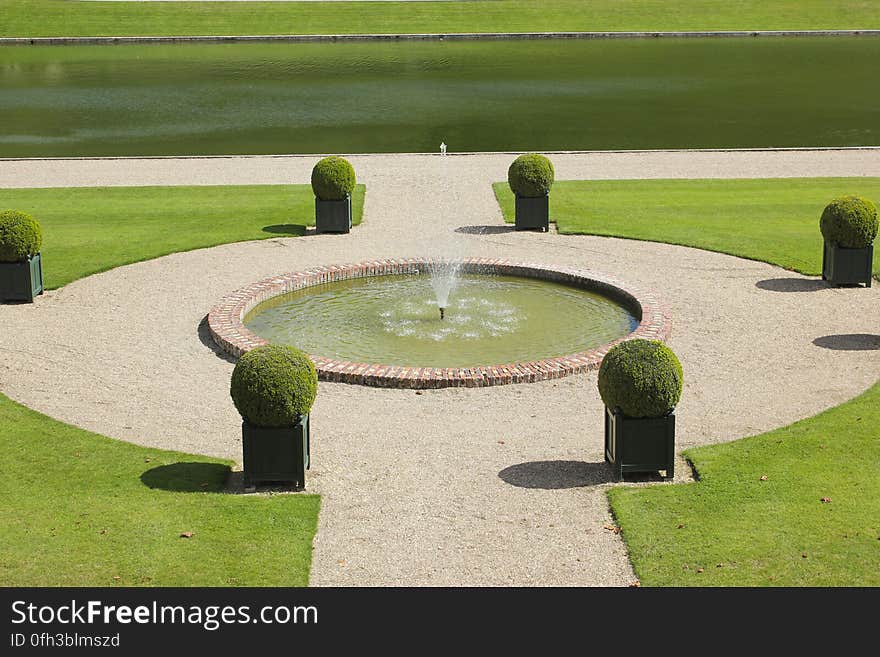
(772,220)
(91,229)
(65,18)
(733,529)
(79,509)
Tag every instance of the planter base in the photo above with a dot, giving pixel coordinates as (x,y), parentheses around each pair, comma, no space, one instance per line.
(21,281)
(276,455)
(333,216)
(842,266)
(532,213)
(640,444)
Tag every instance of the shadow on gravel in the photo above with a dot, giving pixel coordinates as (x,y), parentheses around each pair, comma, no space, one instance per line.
(551,475)
(849,342)
(188,477)
(792,284)
(208,341)
(295,230)
(484,230)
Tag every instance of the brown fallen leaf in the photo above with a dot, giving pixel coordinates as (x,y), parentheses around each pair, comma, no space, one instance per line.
(611,528)
(117,578)
(147,460)
(419,392)
(763,477)
(103,531)
(681,526)
(500,442)
(186,534)
(804,555)
(635,585)
(826,500)
(699,570)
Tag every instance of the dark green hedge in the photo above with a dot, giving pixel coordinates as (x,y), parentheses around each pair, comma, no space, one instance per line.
(273,386)
(642,378)
(530,175)
(332,178)
(20,236)
(850,222)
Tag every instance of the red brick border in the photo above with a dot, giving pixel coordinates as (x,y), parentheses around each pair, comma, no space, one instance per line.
(230,334)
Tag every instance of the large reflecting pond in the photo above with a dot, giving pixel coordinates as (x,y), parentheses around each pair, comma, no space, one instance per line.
(480,96)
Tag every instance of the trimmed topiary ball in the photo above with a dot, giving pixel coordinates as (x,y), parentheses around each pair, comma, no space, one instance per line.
(850,222)
(530,175)
(333,178)
(642,378)
(274,385)
(20,236)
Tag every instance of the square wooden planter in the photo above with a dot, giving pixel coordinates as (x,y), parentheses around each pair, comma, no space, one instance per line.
(333,216)
(842,266)
(21,281)
(640,444)
(276,455)
(532,213)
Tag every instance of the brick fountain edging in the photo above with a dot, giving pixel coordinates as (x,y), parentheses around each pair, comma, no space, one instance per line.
(231,336)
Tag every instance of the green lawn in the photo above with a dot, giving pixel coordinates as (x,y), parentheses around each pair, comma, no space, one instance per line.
(79,509)
(68,18)
(91,229)
(733,529)
(772,220)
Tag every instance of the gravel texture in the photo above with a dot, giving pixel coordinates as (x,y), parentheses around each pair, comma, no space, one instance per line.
(495,486)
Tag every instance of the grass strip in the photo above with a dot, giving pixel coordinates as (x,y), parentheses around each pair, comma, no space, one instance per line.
(87,230)
(80,509)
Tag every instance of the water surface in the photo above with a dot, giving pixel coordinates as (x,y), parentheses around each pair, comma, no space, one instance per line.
(394,320)
(174,99)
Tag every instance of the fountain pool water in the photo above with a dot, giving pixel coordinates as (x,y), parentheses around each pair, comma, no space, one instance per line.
(394,320)
(377,323)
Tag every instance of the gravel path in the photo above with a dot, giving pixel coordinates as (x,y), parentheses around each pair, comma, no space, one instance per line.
(495,486)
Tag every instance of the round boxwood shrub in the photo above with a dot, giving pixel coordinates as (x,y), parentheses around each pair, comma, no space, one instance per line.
(642,378)
(20,236)
(274,385)
(333,178)
(850,222)
(530,175)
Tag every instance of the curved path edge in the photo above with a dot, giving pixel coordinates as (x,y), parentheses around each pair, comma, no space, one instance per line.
(452,486)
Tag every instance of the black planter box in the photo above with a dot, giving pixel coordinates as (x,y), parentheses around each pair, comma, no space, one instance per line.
(333,216)
(21,281)
(842,266)
(276,455)
(640,444)
(532,213)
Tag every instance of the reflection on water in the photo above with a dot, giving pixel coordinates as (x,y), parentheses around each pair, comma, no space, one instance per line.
(387,97)
(394,320)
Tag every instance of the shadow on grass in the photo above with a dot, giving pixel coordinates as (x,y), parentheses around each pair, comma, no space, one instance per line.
(484,230)
(295,230)
(792,284)
(187,477)
(849,342)
(552,475)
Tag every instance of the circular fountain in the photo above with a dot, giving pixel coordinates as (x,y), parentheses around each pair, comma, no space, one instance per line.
(423,323)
